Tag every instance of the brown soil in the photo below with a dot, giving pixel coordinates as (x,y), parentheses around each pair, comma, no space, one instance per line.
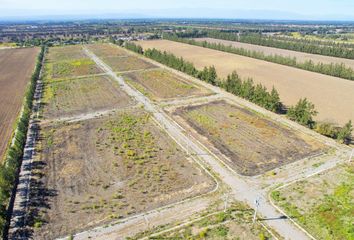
(333,97)
(16,69)
(253,143)
(71,97)
(104,169)
(300,56)
(162,84)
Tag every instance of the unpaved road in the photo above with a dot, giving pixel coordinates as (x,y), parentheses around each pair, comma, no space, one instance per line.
(241,189)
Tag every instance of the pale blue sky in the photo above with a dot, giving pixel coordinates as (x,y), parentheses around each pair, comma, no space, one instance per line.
(210,8)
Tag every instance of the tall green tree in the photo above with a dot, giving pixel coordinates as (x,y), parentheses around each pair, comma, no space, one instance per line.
(303,112)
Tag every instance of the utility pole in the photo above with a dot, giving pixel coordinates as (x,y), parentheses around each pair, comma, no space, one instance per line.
(257,202)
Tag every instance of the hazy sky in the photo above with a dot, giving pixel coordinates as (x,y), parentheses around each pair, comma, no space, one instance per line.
(310,8)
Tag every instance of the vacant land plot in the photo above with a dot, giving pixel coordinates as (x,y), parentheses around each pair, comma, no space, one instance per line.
(108,168)
(127,63)
(323,204)
(16,67)
(300,56)
(107,50)
(333,97)
(236,221)
(71,97)
(252,143)
(72,52)
(161,84)
(71,68)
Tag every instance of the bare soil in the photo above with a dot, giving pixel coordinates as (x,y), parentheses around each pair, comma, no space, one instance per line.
(300,56)
(103,169)
(251,143)
(161,84)
(71,97)
(16,67)
(333,97)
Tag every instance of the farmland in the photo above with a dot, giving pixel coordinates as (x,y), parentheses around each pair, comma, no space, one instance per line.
(252,144)
(110,168)
(300,56)
(77,96)
(323,204)
(161,84)
(107,50)
(291,83)
(17,66)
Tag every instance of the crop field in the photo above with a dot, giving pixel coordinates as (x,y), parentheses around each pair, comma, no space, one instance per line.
(71,97)
(322,204)
(251,143)
(300,56)
(333,97)
(16,67)
(161,84)
(107,50)
(126,63)
(236,221)
(108,168)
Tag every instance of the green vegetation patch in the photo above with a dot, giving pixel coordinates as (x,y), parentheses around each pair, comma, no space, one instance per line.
(324,204)
(72,68)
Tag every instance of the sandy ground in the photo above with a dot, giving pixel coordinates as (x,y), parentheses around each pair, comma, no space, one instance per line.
(333,97)
(16,67)
(300,56)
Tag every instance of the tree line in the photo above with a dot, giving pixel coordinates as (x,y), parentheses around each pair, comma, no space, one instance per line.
(9,170)
(333,50)
(303,112)
(332,69)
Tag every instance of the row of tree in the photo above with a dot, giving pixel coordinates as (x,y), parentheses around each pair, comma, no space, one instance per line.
(332,69)
(303,112)
(334,50)
(10,169)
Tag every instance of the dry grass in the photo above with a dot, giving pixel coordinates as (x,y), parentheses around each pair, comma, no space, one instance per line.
(253,143)
(16,67)
(333,97)
(300,56)
(126,63)
(71,97)
(72,52)
(104,169)
(161,84)
(107,50)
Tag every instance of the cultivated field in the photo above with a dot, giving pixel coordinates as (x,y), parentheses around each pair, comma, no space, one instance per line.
(108,168)
(77,96)
(251,143)
(300,56)
(333,97)
(323,204)
(16,67)
(161,84)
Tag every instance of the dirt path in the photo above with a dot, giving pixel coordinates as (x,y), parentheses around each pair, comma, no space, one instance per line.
(241,189)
